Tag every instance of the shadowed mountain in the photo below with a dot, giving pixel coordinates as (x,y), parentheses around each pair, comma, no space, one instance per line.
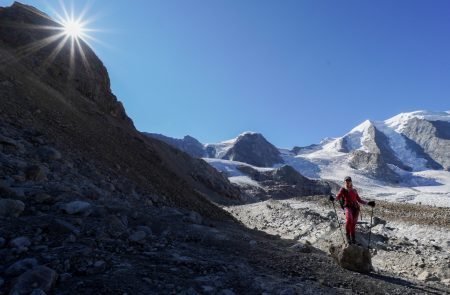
(64,94)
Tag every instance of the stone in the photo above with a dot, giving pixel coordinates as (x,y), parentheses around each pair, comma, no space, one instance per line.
(377,221)
(43,198)
(47,153)
(193,217)
(77,207)
(252,243)
(138,236)
(146,229)
(36,173)
(426,276)
(40,277)
(11,208)
(19,267)
(116,227)
(302,248)
(20,242)
(6,191)
(38,292)
(2,281)
(226,292)
(2,242)
(352,257)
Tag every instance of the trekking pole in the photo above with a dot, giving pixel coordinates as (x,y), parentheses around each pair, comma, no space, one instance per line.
(370,229)
(337,217)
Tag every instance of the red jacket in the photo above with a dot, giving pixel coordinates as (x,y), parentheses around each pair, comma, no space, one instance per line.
(351,198)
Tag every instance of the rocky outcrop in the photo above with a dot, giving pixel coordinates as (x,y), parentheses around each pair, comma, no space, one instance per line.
(373,165)
(187,144)
(283,183)
(433,138)
(33,36)
(352,257)
(254,149)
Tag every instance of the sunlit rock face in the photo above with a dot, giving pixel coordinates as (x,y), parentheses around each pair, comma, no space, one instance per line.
(42,46)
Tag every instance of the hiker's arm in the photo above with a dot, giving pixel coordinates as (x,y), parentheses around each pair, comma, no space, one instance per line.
(361,201)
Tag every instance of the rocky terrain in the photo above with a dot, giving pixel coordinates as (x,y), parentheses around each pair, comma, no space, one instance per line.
(408,241)
(89,205)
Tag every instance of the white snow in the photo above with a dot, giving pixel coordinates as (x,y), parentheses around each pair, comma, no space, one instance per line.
(399,121)
(327,161)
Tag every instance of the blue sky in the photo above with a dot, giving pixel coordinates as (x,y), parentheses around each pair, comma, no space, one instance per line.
(296,71)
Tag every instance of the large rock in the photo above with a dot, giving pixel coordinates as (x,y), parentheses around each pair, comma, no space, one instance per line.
(21,266)
(11,208)
(352,257)
(40,277)
(77,207)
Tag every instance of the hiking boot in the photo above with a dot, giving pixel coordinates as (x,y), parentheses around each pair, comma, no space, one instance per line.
(349,240)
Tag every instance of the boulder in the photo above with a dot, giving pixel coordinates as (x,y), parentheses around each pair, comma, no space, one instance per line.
(77,207)
(11,208)
(19,267)
(47,153)
(352,257)
(193,217)
(20,242)
(40,277)
(36,173)
(138,236)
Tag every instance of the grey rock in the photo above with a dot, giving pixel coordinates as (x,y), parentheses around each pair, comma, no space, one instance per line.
(11,208)
(144,228)
(226,292)
(254,149)
(377,221)
(116,227)
(48,153)
(6,191)
(21,266)
(38,292)
(352,257)
(77,207)
(373,166)
(2,281)
(426,276)
(432,139)
(138,236)
(288,291)
(40,277)
(36,173)
(252,243)
(20,242)
(2,242)
(4,140)
(193,217)
(43,198)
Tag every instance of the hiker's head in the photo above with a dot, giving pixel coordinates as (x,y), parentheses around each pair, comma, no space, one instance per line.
(348,182)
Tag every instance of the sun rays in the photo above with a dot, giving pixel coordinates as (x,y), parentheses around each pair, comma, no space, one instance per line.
(69,30)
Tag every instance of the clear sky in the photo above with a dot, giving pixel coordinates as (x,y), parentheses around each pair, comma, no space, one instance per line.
(296,71)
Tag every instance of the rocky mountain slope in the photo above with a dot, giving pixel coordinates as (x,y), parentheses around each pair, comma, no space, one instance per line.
(89,205)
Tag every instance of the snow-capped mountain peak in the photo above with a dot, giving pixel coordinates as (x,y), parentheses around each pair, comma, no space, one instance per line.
(400,121)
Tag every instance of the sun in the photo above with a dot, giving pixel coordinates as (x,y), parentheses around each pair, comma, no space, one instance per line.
(73,29)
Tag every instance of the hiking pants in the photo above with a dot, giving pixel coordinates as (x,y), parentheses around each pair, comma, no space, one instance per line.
(351,218)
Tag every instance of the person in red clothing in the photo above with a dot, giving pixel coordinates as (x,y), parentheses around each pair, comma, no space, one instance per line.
(351,206)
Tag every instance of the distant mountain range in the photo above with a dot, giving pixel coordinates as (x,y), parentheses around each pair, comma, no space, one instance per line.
(396,152)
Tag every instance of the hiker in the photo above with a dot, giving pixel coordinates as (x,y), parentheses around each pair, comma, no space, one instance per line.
(351,206)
